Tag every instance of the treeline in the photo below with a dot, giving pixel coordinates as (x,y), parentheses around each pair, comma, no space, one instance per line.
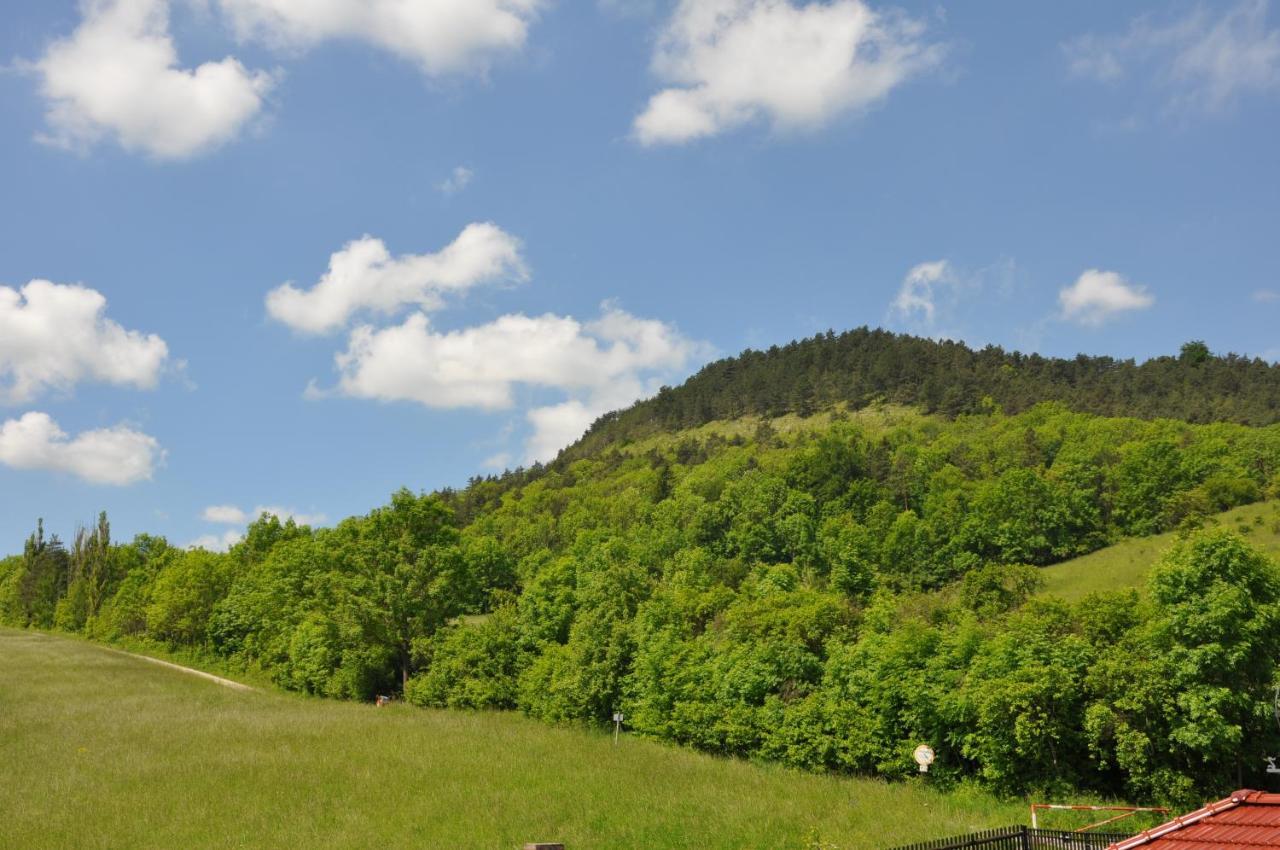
(863,366)
(328,611)
(828,596)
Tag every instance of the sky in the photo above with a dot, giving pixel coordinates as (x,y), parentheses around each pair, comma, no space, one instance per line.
(291,255)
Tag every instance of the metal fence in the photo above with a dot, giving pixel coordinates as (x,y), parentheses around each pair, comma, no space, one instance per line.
(1021,838)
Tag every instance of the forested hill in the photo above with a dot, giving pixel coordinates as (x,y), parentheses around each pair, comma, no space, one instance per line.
(864,366)
(826,591)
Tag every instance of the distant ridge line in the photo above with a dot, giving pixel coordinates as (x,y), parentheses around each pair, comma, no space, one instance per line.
(864,366)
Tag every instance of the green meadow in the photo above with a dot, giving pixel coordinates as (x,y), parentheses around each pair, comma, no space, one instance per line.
(1127,563)
(101,750)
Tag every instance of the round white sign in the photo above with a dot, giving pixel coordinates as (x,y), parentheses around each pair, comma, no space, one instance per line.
(923,756)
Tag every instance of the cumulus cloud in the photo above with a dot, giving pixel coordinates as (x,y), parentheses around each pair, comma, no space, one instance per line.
(943,301)
(224,515)
(234,515)
(594,366)
(1098,296)
(439,36)
(54,336)
(602,364)
(118,75)
(118,455)
(731,62)
(556,426)
(479,366)
(1203,61)
(363,276)
(457,180)
(917,296)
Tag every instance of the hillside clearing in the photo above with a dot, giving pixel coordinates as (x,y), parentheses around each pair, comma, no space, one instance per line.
(1126,564)
(104,750)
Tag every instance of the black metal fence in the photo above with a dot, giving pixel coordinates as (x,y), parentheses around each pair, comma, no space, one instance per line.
(1021,838)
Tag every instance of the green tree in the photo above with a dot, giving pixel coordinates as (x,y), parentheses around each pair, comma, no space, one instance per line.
(183,596)
(408,573)
(1183,703)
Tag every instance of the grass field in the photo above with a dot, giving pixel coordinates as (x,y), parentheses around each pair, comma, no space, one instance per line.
(1127,563)
(100,750)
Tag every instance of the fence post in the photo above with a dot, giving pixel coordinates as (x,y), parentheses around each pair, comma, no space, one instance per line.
(1026,838)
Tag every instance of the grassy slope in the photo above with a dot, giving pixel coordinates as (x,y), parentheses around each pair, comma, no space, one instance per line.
(101,750)
(1127,563)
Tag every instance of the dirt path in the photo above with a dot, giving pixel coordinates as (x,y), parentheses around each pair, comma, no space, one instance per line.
(226,683)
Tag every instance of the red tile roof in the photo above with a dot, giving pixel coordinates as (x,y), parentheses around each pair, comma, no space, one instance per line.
(1245,819)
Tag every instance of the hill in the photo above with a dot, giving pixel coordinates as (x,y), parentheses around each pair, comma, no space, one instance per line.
(825,590)
(102,750)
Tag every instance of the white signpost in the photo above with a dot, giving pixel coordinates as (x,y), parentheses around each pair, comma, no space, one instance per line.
(924,757)
(617,725)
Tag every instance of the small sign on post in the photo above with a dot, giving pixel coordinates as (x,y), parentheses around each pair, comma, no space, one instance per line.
(924,757)
(617,726)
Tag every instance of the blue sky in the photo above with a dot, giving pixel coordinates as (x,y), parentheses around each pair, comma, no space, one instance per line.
(485,222)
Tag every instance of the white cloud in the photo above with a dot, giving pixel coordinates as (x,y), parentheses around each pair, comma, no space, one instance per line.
(457,180)
(364,276)
(731,62)
(224,515)
(1266,296)
(916,298)
(479,366)
(602,364)
(53,336)
(1098,296)
(118,75)
(116,455)
(1204,61)
(440,36)
(558,425)
(938,300)
(217,542)
(233,515)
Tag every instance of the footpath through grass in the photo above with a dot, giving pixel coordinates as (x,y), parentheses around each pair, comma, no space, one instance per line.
(1127,563)
(99,750)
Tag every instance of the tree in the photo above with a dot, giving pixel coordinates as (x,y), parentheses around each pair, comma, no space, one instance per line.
(90,575)
(184,594)
(1194,353)
(1025,693)
(408,573)
(41,580)
(1182,702)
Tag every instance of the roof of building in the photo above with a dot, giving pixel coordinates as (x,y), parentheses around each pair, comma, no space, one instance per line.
(1245,819)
